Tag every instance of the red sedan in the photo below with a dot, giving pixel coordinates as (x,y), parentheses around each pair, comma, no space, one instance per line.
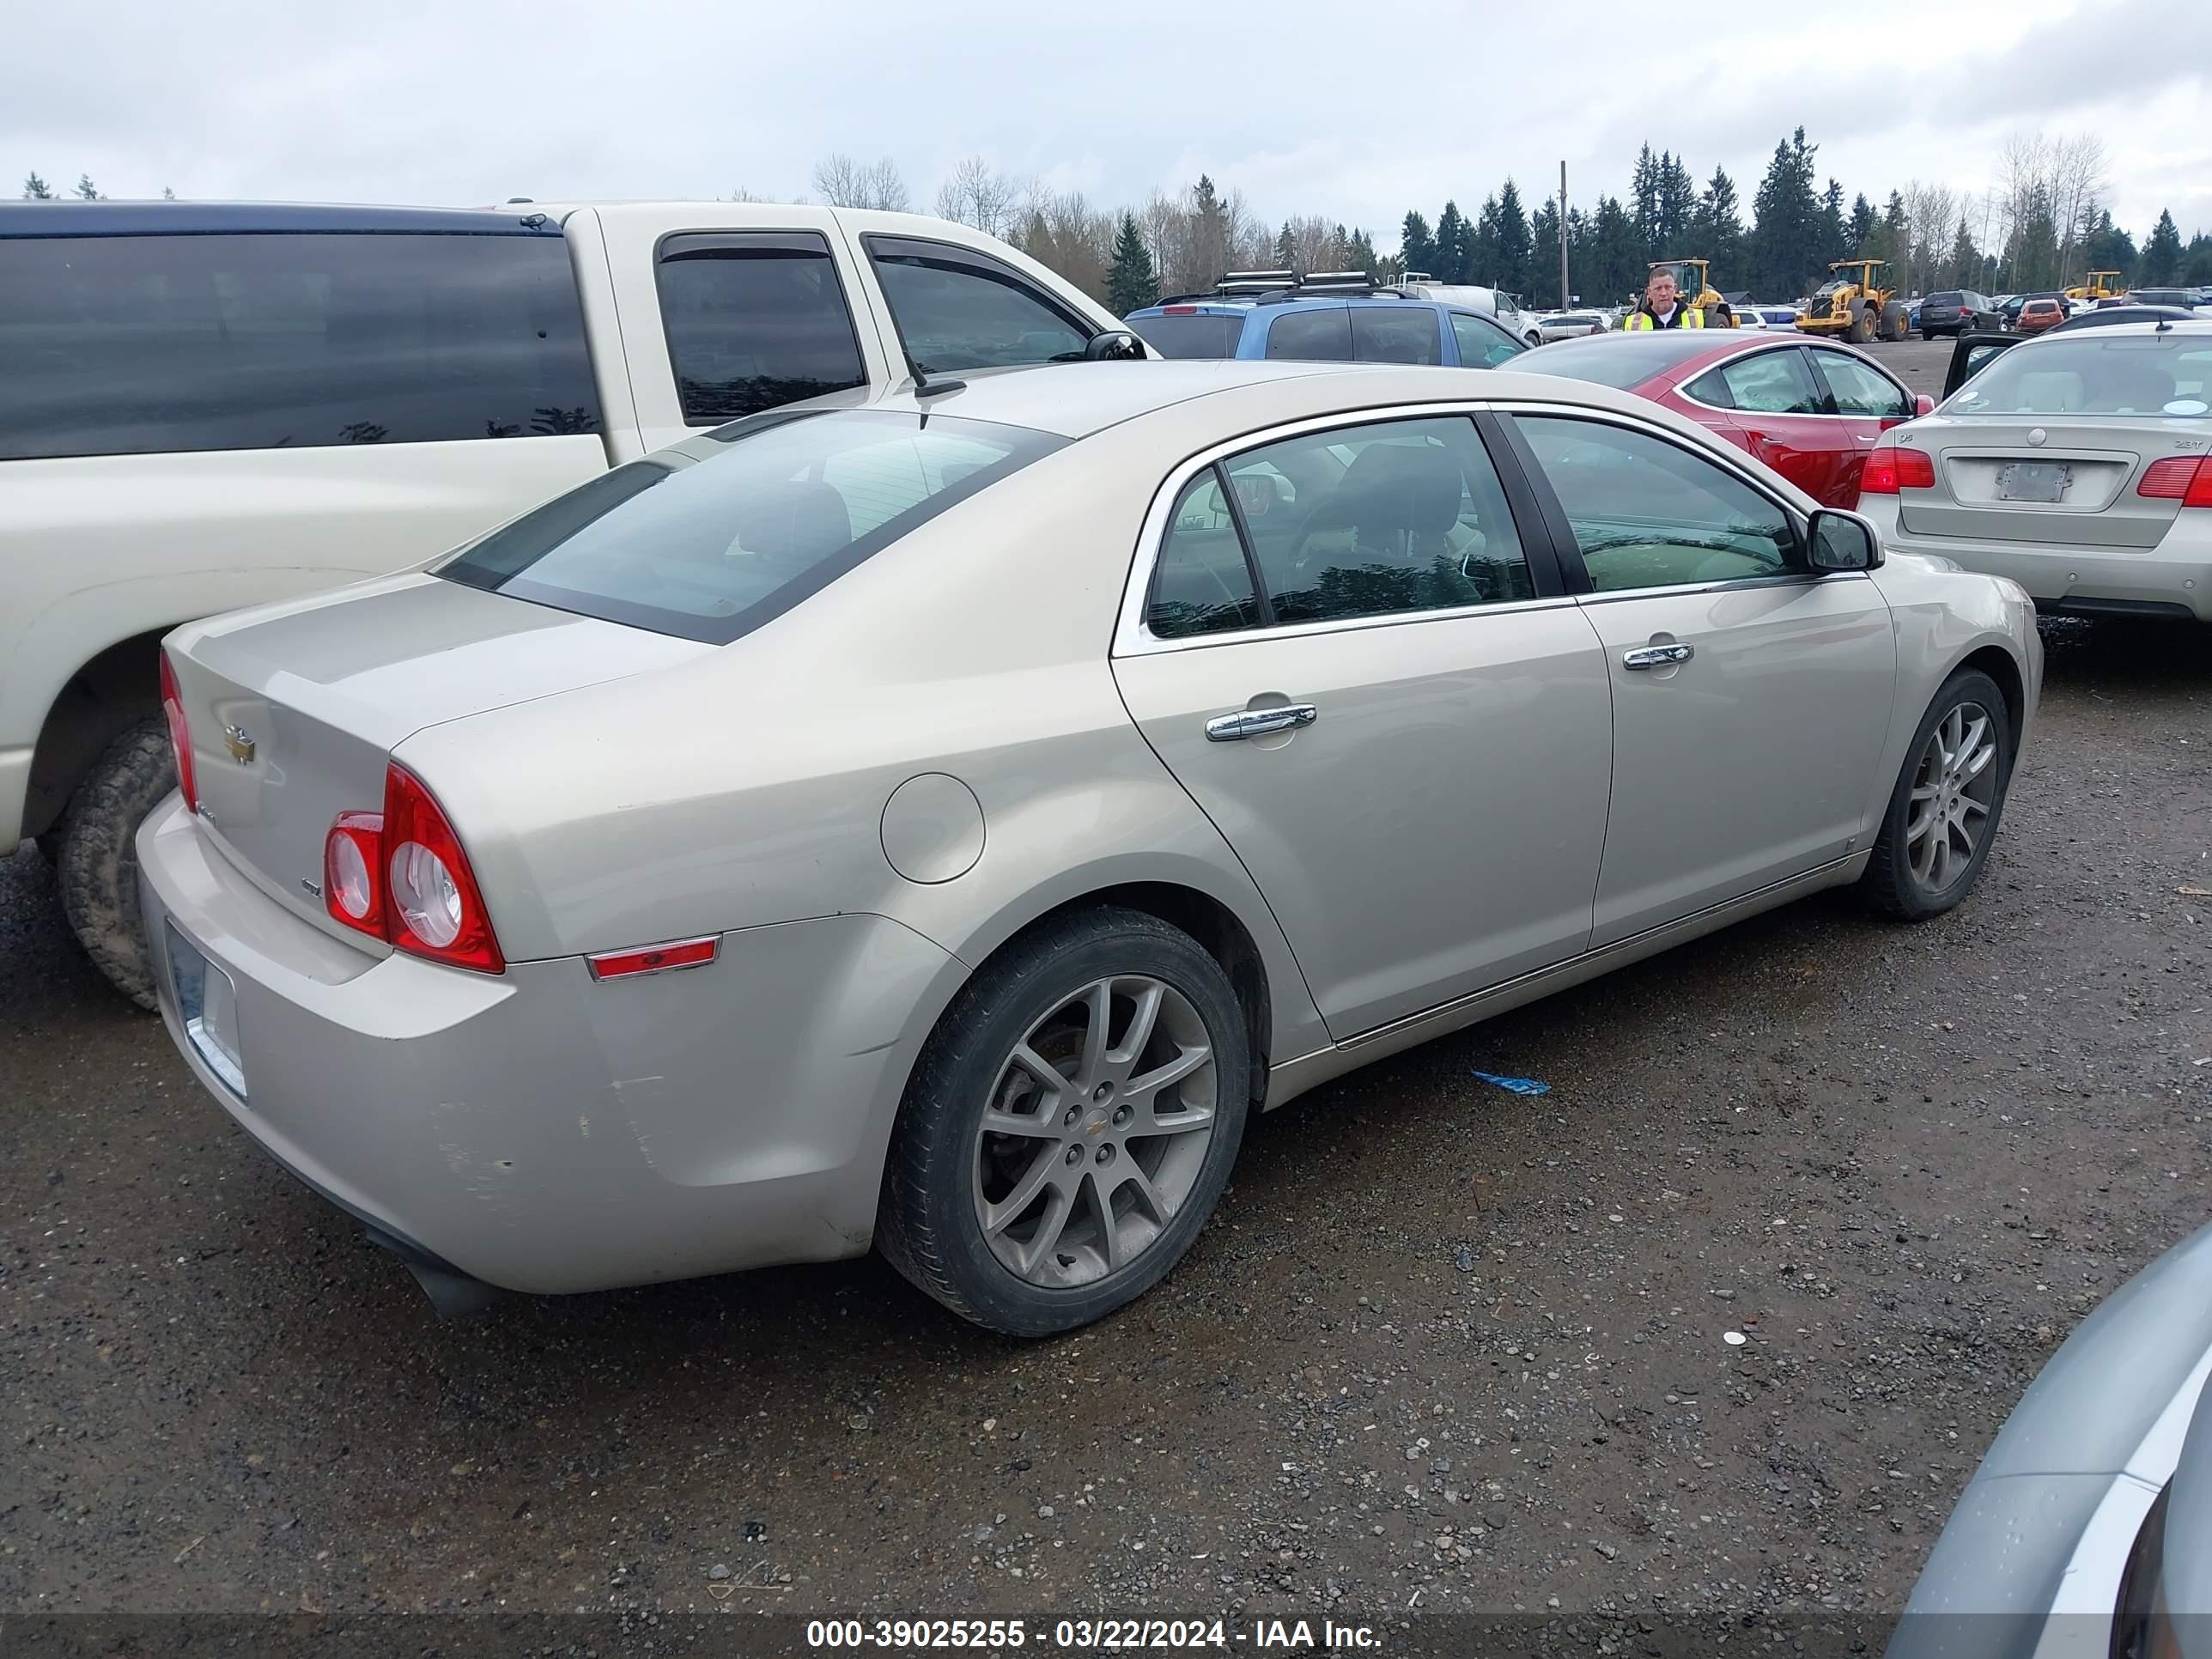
(1807,408)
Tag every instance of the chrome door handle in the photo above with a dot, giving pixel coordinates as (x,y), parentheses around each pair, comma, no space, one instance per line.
(1258,722)
(1656,656)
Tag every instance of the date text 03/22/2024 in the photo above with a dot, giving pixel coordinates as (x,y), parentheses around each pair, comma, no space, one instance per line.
(1086,1635)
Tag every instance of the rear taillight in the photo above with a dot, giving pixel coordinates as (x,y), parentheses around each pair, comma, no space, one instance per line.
(353,863)
(180,734)
(2184,479)
(401,876)
(1891,468)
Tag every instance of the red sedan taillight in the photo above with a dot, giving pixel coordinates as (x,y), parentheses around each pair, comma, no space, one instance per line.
(401,875)
(2184,479)
(180,734)
(1891,468)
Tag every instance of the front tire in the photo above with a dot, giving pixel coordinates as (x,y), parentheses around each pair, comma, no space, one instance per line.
(1070,1126)
(1943,816)
(98,866)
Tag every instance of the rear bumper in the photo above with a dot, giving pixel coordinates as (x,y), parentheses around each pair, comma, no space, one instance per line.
(2173,579)
(15,788)
(543,1132)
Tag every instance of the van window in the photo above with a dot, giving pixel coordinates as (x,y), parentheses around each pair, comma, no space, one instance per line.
(755,320)
(134,345)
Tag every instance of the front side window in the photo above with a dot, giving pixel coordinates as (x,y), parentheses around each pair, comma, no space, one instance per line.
(136,345)
(711,548)
(1647,514)
(1861,389)
(955,309)
(1387,518)
(754,320)
(1482,343)
(1320,336)
(1382,335)
(1763,383)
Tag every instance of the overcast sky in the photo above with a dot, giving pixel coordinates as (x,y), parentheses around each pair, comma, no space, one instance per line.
(1353,111)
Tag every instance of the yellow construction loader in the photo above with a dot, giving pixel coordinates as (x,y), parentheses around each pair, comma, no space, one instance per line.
(1856,305)
(2096,288)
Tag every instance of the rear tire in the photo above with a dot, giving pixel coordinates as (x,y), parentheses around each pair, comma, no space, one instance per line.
(98,864)
(953,1217)
(1943,816)
(1896,322)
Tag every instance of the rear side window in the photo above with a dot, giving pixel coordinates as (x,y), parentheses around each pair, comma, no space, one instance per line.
(754,321)
(955,308)
(1321,335)
(1763,383)
(1380,335)
(1203,585)
(711,548)
(1482,343)
(1190,337)
(133,345)
(1861,389)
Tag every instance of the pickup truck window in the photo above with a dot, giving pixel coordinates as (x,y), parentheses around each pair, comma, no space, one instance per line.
(136,345)
(755,320)
(957,308)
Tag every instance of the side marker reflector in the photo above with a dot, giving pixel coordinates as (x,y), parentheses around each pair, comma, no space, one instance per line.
(655,958)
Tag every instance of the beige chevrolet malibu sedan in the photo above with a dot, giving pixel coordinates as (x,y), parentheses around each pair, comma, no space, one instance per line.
(938,820)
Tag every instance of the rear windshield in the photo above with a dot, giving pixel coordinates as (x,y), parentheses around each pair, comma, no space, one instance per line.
(1190,337)
(1619,360)
(711,548)
(1944,300)
(134,345)
(2093,373)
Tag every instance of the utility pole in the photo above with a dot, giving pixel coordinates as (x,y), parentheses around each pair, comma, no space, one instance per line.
(1563,300)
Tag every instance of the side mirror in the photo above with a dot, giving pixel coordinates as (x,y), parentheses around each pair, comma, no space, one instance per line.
(1113,345)
(1842,541)
(1923,405)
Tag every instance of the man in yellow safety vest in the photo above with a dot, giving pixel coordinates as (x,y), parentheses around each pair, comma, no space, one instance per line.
(1662,307)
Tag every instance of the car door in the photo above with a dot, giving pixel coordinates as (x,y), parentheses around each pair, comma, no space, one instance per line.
(1750,697)
(1777,411)
(1343,646)
(1971,353)
(1868,403)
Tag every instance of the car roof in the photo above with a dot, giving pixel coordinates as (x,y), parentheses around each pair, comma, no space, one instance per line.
(1226,306)
(247,218)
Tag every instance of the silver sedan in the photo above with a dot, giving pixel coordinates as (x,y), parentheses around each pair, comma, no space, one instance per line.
(937,818)
(2079,464)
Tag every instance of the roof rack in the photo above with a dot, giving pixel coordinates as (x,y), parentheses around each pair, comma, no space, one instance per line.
(1256,281)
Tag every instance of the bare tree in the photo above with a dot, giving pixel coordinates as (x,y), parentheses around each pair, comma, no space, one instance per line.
(975,195)
(841,181)
(1067,234)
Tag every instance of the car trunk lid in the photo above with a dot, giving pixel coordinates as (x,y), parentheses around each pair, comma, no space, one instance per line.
(295,711)
(2049,481)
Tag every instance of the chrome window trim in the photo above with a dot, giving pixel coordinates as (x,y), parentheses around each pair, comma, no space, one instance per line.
(1817,348)
(1132,635)
(1767,349)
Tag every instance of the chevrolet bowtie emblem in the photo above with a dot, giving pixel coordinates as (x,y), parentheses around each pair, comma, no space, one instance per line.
(240,745)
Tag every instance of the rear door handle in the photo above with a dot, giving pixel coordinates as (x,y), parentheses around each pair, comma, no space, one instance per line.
(1258,722)
(1656,656)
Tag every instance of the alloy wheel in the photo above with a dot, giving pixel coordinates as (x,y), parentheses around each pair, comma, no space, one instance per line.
(1096,1132)
(1954,789)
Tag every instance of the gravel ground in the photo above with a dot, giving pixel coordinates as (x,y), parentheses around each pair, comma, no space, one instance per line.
(1444,1345)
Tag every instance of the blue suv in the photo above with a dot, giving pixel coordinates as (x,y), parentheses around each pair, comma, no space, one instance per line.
(1321,319)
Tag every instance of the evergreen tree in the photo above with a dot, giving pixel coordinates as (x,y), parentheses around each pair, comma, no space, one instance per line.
(1286,250)
(1716,229)
(1835,234)
(1417,249)
(1643,199)
(2161,253)
(1450,265)
(2107,247)
(1785,233)
(1482,246)
(168,194)
(1131,283)
(1209,231)
(1963,267)
(2196,260)
(36,189)
(1544,250)
(86,189)
(1613,256)
(1513,243)
(1858,234)
(1678,207)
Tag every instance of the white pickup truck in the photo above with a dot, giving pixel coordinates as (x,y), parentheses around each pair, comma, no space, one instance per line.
(205,406)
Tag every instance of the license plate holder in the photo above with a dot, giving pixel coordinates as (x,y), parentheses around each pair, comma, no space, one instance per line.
(2045,482)
(207,1008)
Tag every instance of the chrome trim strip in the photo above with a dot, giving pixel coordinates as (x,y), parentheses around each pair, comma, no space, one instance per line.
(1743,904)
(1780,579)
(593,961)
